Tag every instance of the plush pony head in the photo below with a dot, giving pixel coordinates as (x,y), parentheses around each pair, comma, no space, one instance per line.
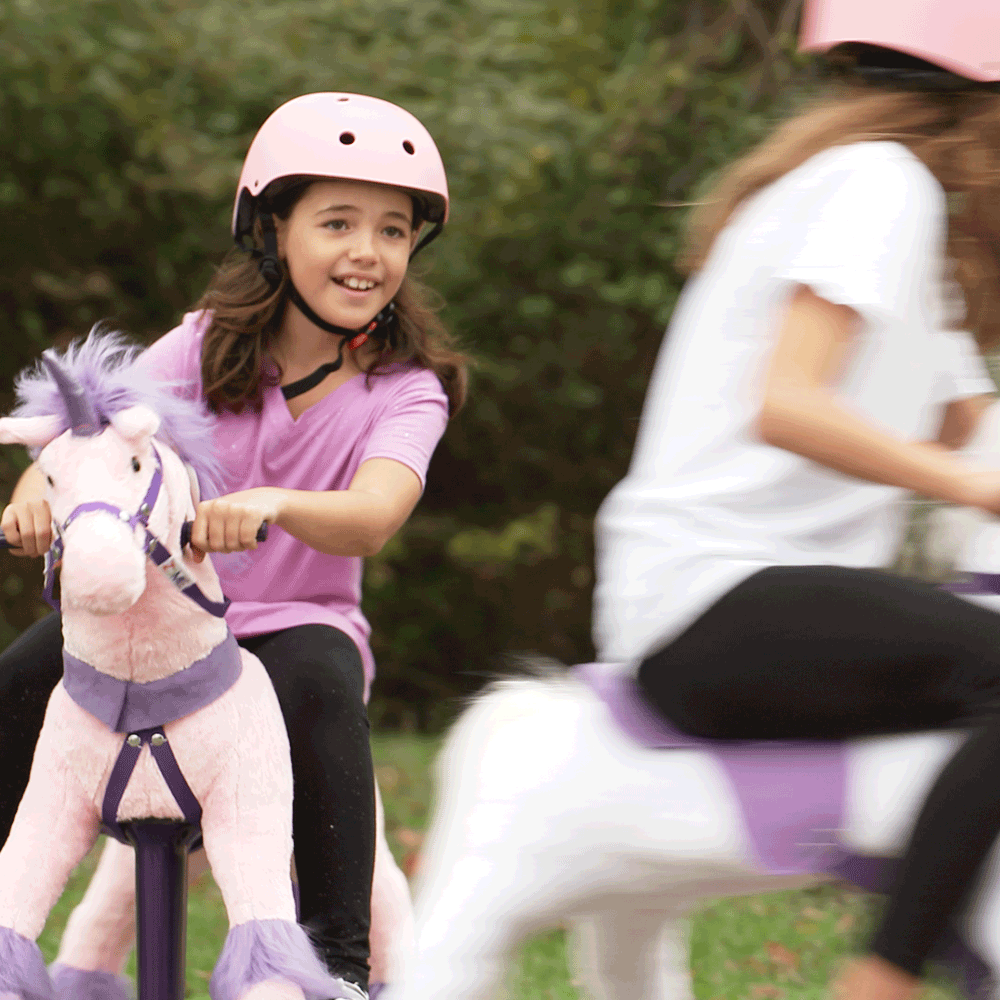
(89,417)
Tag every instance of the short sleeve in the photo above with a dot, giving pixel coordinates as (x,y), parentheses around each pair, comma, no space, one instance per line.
(176,356)
(411,424)
(867,232)
(962,371)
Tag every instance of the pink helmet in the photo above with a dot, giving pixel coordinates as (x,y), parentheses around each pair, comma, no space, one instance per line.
(960,36)
(347,137)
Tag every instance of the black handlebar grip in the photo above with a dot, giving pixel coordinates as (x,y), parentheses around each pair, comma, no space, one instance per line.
(186,533)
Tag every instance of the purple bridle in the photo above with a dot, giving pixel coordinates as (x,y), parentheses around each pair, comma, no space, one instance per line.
(87,423)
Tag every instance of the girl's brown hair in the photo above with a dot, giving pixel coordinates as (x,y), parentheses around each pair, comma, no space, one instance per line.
(955,135)
(246,315)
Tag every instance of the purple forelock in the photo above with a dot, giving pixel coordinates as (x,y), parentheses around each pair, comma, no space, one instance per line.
(105,366)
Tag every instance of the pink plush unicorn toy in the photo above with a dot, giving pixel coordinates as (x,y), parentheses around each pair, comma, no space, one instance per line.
(159,713)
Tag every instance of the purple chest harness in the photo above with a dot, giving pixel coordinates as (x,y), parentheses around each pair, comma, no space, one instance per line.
(142,709)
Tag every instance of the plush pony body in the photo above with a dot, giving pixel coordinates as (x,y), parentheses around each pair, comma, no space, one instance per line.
(123,617)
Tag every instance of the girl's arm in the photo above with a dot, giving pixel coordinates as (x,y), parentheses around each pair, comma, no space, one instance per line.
(357,521)
(801,414)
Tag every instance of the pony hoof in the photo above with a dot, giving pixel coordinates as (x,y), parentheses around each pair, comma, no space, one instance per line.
(22,968)
(265,955)
(69,983)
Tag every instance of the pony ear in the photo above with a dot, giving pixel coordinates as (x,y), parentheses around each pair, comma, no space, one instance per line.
(136,424)
(32,432)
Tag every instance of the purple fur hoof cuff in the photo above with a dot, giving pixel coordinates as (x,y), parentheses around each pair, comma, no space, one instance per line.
(22,968)
(272,949)
(83,984)
(375,989)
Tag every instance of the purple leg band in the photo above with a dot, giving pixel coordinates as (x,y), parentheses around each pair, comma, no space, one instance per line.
(83,984)
(271,949)
(374,989)
(22,968)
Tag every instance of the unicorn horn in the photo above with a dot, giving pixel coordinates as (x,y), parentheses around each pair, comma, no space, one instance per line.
(83,417)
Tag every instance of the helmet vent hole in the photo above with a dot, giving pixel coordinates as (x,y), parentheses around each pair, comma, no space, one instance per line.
(408,146)
(347,138)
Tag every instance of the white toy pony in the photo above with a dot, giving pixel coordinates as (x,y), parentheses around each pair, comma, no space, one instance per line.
(159,713)
(554,806)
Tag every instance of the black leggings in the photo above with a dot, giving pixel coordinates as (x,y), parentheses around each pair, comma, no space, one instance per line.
(824,652)
(319,679)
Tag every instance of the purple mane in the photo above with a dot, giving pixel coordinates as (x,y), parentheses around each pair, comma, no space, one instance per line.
(108,368)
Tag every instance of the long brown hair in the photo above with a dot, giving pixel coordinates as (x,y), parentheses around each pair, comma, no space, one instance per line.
(246,316)
(955,135)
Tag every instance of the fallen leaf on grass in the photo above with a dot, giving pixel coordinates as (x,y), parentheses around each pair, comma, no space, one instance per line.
(388,777)
(846,922)
(811,913)
(407,837)
(761,992)
(782,957)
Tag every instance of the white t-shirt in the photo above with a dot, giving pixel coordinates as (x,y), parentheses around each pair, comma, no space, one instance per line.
(705,503)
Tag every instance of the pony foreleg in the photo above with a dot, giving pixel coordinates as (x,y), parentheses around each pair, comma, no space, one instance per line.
(100,932)
(54,828)
(266,953)
(629,953)
(391,935)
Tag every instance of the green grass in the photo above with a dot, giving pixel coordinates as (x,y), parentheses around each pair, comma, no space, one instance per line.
(784,946)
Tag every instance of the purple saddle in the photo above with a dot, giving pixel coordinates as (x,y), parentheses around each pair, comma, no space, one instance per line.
(792,797)
(791,793)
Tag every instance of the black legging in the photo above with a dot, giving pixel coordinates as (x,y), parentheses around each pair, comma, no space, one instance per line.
(823,652)
(319,679)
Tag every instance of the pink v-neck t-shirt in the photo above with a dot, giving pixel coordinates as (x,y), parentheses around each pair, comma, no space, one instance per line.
(284,583)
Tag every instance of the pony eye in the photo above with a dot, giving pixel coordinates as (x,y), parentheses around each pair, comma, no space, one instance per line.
(135,464)
(49,478)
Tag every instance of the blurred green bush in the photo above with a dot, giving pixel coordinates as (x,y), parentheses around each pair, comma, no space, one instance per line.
(569,129)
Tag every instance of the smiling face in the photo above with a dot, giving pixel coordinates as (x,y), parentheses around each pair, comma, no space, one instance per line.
(346,245)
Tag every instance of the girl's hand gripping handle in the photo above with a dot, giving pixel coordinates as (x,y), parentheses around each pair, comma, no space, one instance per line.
(26,528)
(186,533)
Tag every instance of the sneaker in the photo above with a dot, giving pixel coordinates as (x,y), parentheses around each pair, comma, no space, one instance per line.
(351,990)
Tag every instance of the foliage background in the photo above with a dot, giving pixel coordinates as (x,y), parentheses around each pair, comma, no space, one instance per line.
(569,129)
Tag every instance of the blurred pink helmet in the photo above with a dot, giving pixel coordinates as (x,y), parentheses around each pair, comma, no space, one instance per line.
(960,36)
(347,137)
